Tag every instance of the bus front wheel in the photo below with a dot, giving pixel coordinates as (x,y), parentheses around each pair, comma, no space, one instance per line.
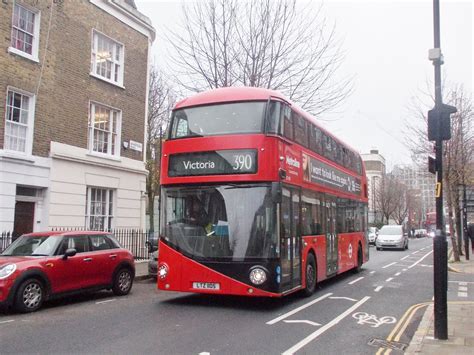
(311,276)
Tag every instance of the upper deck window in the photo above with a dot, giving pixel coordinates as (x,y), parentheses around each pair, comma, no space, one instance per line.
(221,119)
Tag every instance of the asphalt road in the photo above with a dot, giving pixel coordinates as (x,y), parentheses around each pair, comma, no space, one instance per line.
(343,316)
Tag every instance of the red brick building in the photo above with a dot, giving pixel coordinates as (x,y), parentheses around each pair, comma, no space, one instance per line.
(73,103)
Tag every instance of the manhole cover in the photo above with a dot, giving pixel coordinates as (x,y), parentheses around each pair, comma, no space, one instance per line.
(395,345)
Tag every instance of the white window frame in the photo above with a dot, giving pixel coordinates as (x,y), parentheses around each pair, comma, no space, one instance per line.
(109,216)
(91,128)
(36,34)
(29,125)
(120,61)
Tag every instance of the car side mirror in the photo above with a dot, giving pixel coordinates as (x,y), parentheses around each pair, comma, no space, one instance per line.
(69,253)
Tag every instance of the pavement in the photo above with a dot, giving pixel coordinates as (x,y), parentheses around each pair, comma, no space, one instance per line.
(460,322)
(141,270)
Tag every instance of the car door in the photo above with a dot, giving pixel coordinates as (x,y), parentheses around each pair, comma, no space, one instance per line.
(74,272)
(105,258)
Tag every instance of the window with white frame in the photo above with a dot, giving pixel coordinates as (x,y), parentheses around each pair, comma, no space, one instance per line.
(19,121)
(104,129)
(99,208)
(107,58)
(25,31)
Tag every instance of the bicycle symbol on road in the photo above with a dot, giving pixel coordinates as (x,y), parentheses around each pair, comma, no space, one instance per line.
(372,320)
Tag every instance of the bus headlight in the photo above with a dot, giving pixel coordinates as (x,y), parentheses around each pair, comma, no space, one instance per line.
(258,275)
(163,271)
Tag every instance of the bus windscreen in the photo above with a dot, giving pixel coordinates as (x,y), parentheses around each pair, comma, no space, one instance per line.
(220,119)
(221,222)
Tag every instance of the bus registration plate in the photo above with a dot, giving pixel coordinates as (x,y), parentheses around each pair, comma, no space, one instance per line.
(206,285)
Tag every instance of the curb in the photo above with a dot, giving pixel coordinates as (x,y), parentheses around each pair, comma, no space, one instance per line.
(416,343)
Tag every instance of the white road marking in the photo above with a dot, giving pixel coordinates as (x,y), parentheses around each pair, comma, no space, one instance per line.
(424,265)
(303,321)
(321,330)
(383,267)
(462,294)
(462,288)
(462,283)
(372,272)
(354,281)
(204,353)
(389,279)
(378,288)
(426,255)
(286,315)
(7,321)
(405,257)
(415,252)
(404,269)
(398,274)
(106,301)
(343,298)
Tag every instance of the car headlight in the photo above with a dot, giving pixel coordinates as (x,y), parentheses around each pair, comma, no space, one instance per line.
(258,275)
(7,270)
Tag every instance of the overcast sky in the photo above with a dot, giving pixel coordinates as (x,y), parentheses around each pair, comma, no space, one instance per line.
(386,44)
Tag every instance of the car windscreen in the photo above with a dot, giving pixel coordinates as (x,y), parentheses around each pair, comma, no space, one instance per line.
(219,119)
(33,246)
(391,231)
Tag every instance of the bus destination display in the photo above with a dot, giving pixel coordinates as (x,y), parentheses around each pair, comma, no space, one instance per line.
(219,162)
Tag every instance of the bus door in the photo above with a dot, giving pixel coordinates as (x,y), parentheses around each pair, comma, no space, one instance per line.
(290,239)
(331,237)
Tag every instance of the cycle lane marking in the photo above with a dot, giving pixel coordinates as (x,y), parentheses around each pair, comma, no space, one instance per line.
(420,260)
(327,326)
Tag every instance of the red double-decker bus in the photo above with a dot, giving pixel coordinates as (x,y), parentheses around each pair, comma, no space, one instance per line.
(256,199)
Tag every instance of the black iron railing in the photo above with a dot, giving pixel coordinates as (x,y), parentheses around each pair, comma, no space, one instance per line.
(5,240)
(135,240)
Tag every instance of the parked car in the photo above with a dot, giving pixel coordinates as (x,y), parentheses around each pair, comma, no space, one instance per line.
(153,264)
(41,266)
(421,233)
(392,237)
(373,232)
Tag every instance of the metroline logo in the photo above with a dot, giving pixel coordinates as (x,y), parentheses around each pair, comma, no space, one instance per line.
(292,162)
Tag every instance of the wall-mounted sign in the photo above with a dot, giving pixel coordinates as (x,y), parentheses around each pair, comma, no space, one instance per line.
(321,173)
(136,146)
(219,162)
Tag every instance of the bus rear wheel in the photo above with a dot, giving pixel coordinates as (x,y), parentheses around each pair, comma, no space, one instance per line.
(311,275)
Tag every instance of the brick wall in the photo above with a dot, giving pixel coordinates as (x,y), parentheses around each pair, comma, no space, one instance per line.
(62,81)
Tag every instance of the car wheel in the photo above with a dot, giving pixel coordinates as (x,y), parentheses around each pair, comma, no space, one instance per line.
(358,268)
(311,275)
(122,284)
(30,296)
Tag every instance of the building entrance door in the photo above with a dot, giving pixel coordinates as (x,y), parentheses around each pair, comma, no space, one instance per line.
(24,218)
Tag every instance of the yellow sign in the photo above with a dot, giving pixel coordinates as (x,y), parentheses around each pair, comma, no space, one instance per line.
(438,189)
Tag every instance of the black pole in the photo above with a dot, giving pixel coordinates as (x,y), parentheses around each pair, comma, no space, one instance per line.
(440,246)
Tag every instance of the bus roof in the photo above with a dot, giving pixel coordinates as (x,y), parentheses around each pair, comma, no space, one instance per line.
(228,94)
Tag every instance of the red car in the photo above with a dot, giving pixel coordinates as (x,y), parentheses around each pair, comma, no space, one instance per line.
(40,266)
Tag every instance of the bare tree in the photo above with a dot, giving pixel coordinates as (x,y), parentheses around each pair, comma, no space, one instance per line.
(401,203)
(387,198)
(161,100)
(458,151)
(274,44)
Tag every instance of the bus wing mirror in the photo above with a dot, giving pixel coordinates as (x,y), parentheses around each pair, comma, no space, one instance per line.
(276,192)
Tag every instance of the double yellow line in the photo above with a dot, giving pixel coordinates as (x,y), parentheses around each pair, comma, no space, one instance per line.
(402,324)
